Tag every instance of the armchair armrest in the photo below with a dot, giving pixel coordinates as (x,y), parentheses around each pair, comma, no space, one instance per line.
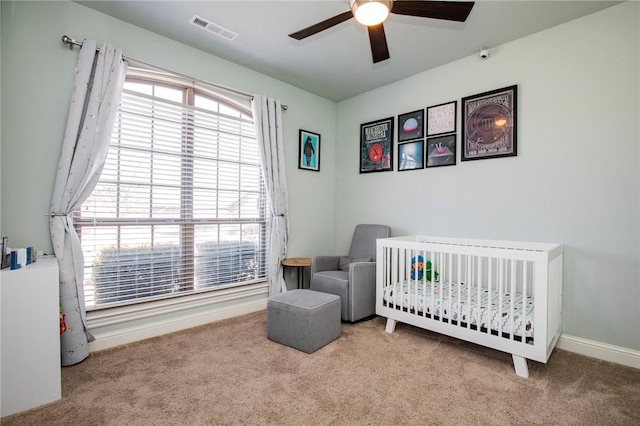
(362,290)
(324,263)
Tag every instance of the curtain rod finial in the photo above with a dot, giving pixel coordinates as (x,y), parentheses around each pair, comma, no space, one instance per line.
(68,40)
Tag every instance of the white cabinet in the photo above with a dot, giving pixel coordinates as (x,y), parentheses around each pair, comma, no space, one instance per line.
(30,339)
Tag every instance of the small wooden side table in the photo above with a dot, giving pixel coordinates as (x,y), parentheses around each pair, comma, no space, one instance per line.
(297,262)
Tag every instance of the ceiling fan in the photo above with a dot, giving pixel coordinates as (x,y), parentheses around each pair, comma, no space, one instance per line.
(372,13)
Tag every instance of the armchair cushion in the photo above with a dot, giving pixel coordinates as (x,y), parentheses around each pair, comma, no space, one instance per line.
(324,263)
(346,261)
(363,243)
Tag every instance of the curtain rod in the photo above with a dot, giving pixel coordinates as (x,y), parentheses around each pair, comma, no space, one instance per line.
(71,42)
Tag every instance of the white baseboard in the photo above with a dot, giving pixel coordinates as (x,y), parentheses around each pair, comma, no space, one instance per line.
(591,348)
(603,351)
(157,328)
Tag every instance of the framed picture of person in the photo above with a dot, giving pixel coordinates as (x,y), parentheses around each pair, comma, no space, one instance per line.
(309,151)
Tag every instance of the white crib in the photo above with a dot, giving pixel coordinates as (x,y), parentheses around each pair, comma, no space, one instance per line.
(505,295)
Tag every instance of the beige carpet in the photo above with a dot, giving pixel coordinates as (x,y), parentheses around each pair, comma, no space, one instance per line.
(229,373)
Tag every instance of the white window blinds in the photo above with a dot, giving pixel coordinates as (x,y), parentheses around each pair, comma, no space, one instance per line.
(180,205)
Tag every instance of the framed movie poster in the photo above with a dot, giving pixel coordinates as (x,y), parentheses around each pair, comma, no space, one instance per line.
(309,151)
(376,146)
(489,124)
(411,125)
(441,118)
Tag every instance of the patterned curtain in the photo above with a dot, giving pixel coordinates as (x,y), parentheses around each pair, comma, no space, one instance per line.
(97,88)
(267,116)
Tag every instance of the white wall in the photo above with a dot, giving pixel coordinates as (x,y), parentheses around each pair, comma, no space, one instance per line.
(37,73)
(575,180)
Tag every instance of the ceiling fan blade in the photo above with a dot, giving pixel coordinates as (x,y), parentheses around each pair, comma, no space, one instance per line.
(447,10)
(321,26)
(379,48)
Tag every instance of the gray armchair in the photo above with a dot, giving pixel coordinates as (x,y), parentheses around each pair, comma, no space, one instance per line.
(352,277)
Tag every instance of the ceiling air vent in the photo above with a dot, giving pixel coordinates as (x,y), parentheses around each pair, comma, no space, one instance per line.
(216,29)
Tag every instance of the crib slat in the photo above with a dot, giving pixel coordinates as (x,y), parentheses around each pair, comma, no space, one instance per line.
(432,305)
(490,286)
(524,300)
(403,270)
(450,279)
(469,282)
(411,281)
(459,282)
(434,263)
(501,272)
(396,274)
(479,296)
(407,273)
(513,298)
(424,287)
(445,277)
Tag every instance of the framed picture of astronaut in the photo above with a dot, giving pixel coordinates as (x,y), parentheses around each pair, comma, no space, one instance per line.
(309,151)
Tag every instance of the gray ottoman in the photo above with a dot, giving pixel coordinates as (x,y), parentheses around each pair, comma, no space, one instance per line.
(303,319)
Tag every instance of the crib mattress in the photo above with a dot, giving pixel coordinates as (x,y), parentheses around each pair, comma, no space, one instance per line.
(444,303)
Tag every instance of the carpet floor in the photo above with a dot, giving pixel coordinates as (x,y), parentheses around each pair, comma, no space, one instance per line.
(229,373)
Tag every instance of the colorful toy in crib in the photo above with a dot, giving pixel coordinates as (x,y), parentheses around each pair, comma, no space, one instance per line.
(63,324)
(418,269)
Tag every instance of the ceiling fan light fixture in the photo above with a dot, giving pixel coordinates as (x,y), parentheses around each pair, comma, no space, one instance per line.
(371,12)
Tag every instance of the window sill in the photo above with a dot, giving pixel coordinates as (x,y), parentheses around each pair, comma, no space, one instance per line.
(127,324)
(141,311)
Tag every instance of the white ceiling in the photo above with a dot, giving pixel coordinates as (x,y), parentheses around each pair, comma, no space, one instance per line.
(336,63)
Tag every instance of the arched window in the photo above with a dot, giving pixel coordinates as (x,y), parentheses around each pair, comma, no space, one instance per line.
(180,206)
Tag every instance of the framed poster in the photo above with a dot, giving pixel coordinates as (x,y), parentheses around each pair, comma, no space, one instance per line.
(309,151)
(376,146)
(441,151)
(4,260)
(411,125)
(411,155)
(441,118)
(489,124)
